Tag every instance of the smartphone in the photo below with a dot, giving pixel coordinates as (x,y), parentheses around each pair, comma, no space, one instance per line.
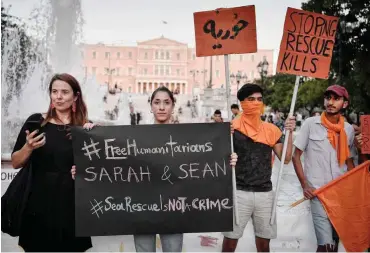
(34,125)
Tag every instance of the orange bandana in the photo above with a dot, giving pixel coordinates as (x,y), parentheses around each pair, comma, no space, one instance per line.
(334,129)
(250,124)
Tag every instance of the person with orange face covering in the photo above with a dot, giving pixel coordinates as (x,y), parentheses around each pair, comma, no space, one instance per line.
(326,141)
(254,141)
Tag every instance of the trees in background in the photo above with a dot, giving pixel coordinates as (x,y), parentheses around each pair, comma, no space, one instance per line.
(350,65)
(351,57)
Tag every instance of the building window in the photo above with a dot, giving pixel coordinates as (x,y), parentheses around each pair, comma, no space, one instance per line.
(130,55)
(107,55)
(145,71)
(118,55)
(162,70)
(117,71)
(193,57)
(129,89)
(156,55)
(252,75)
(94,55)
(241,58)
(167,55)
(130,71)
(178,72)
(145,55)
(156,70)
(264,58)
(217,73)
(162,55)
(93,70)
(178,56)
(252,57)
(167,70)
(106,71)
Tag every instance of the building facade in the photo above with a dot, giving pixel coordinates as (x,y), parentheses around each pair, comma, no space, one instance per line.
(165,62)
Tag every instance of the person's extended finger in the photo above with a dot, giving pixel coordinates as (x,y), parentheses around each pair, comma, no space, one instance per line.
(38,137)
(40,143)
(31,135)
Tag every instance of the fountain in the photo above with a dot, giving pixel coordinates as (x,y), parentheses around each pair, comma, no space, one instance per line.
(53,48)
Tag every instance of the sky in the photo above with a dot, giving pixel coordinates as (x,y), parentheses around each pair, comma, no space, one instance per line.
(129,21)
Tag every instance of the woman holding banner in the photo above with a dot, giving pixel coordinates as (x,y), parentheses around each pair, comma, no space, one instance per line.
(162,104)
(44,146)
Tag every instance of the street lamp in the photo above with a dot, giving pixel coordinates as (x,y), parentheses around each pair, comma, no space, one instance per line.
(204,72)
(262,68)
(194,72)
(245,78)
(238,77)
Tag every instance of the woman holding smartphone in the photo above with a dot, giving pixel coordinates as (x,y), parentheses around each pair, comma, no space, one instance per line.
(48,222)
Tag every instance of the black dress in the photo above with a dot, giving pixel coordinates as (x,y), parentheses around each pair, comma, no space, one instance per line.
(49,219)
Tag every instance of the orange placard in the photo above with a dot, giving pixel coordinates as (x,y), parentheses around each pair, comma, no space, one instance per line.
(365,130)
(307,44)
(226,31)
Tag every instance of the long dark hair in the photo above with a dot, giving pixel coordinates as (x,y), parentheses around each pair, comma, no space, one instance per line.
(78,118)
(163,89)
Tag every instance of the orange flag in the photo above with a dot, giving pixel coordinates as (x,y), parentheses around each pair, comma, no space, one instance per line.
(347,203)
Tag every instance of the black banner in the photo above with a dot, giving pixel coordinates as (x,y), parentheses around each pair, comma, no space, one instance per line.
(151,179)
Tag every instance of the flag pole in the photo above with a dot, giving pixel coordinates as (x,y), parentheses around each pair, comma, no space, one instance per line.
(228,100)
(287,133)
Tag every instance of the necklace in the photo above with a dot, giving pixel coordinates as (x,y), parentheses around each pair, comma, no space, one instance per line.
(64,126)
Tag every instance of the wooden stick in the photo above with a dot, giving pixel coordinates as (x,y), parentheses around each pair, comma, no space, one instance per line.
(298,202)
(280,174)
(235,200)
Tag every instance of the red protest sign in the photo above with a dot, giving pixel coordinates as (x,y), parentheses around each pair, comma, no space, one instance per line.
(365,131)
(307,44)
(226,31)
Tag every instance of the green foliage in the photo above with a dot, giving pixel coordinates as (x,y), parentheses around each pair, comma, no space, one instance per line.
(350,65)
(278,91)
(351,56)
(310,94)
